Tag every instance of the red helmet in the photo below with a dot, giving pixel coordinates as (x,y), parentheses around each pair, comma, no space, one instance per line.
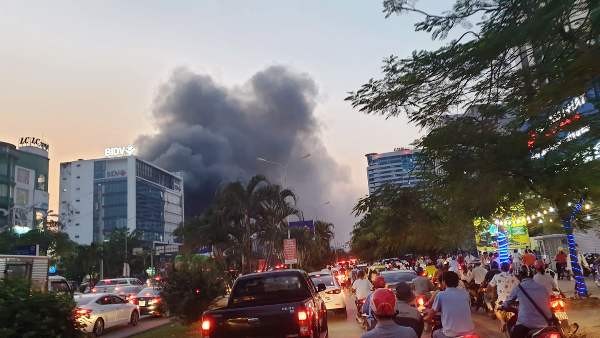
(383,302)
(540,265)
(379,282)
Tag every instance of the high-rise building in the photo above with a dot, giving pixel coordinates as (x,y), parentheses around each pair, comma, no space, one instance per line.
(23,184)
(100,195)
(397,167)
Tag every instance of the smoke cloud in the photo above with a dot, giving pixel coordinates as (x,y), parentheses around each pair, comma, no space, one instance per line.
(214,134)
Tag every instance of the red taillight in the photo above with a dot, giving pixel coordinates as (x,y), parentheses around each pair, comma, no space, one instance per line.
(421,301)
(304,314)
(154,301)
(557,304)
(206,326)
(94,290)
(79,312)
(470,336)
(551,335)
(334,291)
(133,300)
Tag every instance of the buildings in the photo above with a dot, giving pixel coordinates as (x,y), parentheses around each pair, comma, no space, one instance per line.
(100,195)
(396,167)
(23,184)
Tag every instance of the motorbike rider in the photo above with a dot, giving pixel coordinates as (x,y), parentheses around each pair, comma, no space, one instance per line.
(421,284)
(383,303)
(361,286)
(529,317)
(490,296)
(407,315)
(454,305)
(503,284)
(378,283)
(542,278)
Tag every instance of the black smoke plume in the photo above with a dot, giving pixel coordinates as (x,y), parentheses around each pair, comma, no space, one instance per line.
(214,134)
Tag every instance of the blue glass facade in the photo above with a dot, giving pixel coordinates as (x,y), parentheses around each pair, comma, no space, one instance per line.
(398,167)
(110,203)
(150,214)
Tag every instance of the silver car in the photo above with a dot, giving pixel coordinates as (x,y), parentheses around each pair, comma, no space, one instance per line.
(99,311)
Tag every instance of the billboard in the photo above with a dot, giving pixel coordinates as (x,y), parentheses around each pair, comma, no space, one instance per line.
(515,227)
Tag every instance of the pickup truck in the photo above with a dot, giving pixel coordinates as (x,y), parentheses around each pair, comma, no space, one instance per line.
(282,304)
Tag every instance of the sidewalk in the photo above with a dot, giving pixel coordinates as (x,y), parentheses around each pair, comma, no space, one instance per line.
(586,314)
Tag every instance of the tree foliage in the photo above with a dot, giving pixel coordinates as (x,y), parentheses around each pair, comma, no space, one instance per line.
(26,314)
(398,220)
(249,221)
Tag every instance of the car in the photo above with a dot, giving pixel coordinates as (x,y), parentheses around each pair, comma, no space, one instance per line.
(333,295)
(59,284)
(393,277)
(150,302)
(110,285)
(98,311)
(282,303)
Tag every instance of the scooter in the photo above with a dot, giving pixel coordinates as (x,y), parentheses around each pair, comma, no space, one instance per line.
(557,305)
(551,331)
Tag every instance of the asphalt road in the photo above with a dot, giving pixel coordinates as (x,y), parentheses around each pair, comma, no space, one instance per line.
(145,323)
(340,327)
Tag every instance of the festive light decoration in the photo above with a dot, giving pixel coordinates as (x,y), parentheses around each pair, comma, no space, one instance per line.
(580,286)
(503,246)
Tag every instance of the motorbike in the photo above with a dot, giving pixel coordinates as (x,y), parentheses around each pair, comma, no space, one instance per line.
(436,324)
(551,331)
(557,305)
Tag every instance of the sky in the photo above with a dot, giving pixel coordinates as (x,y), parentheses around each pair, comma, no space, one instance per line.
(85,76)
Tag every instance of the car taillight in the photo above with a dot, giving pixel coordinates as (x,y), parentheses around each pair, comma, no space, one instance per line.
(79,312)
(132,300)
(304,316)
(551,335)
(206,326)
(334,291)
(94,290)
(470,336)
(421,301)
(557,304)
(154,301)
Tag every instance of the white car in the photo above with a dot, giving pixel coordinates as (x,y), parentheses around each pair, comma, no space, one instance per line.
(109,285)
(333,295)
(99,311)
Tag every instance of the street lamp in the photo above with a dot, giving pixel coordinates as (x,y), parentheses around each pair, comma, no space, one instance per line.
(284,168)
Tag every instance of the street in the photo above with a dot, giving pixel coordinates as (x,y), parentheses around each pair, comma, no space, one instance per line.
(349,328)
(145,323)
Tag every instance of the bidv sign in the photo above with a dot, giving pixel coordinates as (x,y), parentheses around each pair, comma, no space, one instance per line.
(119,151)
(33,142)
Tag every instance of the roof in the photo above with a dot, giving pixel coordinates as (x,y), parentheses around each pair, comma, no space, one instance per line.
(272,273)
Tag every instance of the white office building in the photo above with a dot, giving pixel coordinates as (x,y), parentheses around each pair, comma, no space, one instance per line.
(398,167)
(100,195)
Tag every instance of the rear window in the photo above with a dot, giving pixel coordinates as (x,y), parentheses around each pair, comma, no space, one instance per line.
(327,280)
(150,292)
(60,286)
(108,282)
(269,290)
(84,300)
(397,277)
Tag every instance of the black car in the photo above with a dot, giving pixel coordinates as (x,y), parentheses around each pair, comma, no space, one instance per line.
(270,304)
(150,302)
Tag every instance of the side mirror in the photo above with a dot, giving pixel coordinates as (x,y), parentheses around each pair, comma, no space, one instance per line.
(321,287)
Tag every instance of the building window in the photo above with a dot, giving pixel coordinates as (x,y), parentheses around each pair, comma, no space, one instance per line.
(76,236)
(76,200)
(64,178)
(3,190)
(41,182)
(78,165)
(78,188)
(77,212)
(23,176)
(76,224)
(78,176)
(99,169)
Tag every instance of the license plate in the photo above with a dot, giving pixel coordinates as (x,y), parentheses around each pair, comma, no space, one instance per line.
(142,303)
(561,315)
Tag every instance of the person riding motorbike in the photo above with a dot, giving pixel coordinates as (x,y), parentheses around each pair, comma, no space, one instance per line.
(489,295)
(542,278)
(407,315)
(502,284)
(534,311)
(361,288)
(378,283)
(454,305)
(421,284)
(383,303)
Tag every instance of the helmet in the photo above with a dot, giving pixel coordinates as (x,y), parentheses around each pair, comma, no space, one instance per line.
(540,265)
(383,302)
(379,282)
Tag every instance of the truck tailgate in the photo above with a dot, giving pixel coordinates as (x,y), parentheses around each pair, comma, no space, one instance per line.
(258,321)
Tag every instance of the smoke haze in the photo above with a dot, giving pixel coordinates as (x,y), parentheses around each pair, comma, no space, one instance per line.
(214,134)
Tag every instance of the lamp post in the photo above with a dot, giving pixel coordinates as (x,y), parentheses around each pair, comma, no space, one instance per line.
(284,168)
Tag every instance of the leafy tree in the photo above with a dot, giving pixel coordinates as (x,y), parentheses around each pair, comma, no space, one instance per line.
(193,283)
(516,74)
(314,250)
(115,252)
(35,314)
(398,220)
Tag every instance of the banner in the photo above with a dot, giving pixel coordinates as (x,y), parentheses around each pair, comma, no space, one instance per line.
(515,227)
(290,254)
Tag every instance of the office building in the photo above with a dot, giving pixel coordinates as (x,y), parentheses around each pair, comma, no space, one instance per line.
(100,195)
(398,167)
(23,184)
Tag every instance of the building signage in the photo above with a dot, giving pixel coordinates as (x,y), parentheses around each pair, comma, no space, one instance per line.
(119,151)
(290,254)
(116,173)
(33,142)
